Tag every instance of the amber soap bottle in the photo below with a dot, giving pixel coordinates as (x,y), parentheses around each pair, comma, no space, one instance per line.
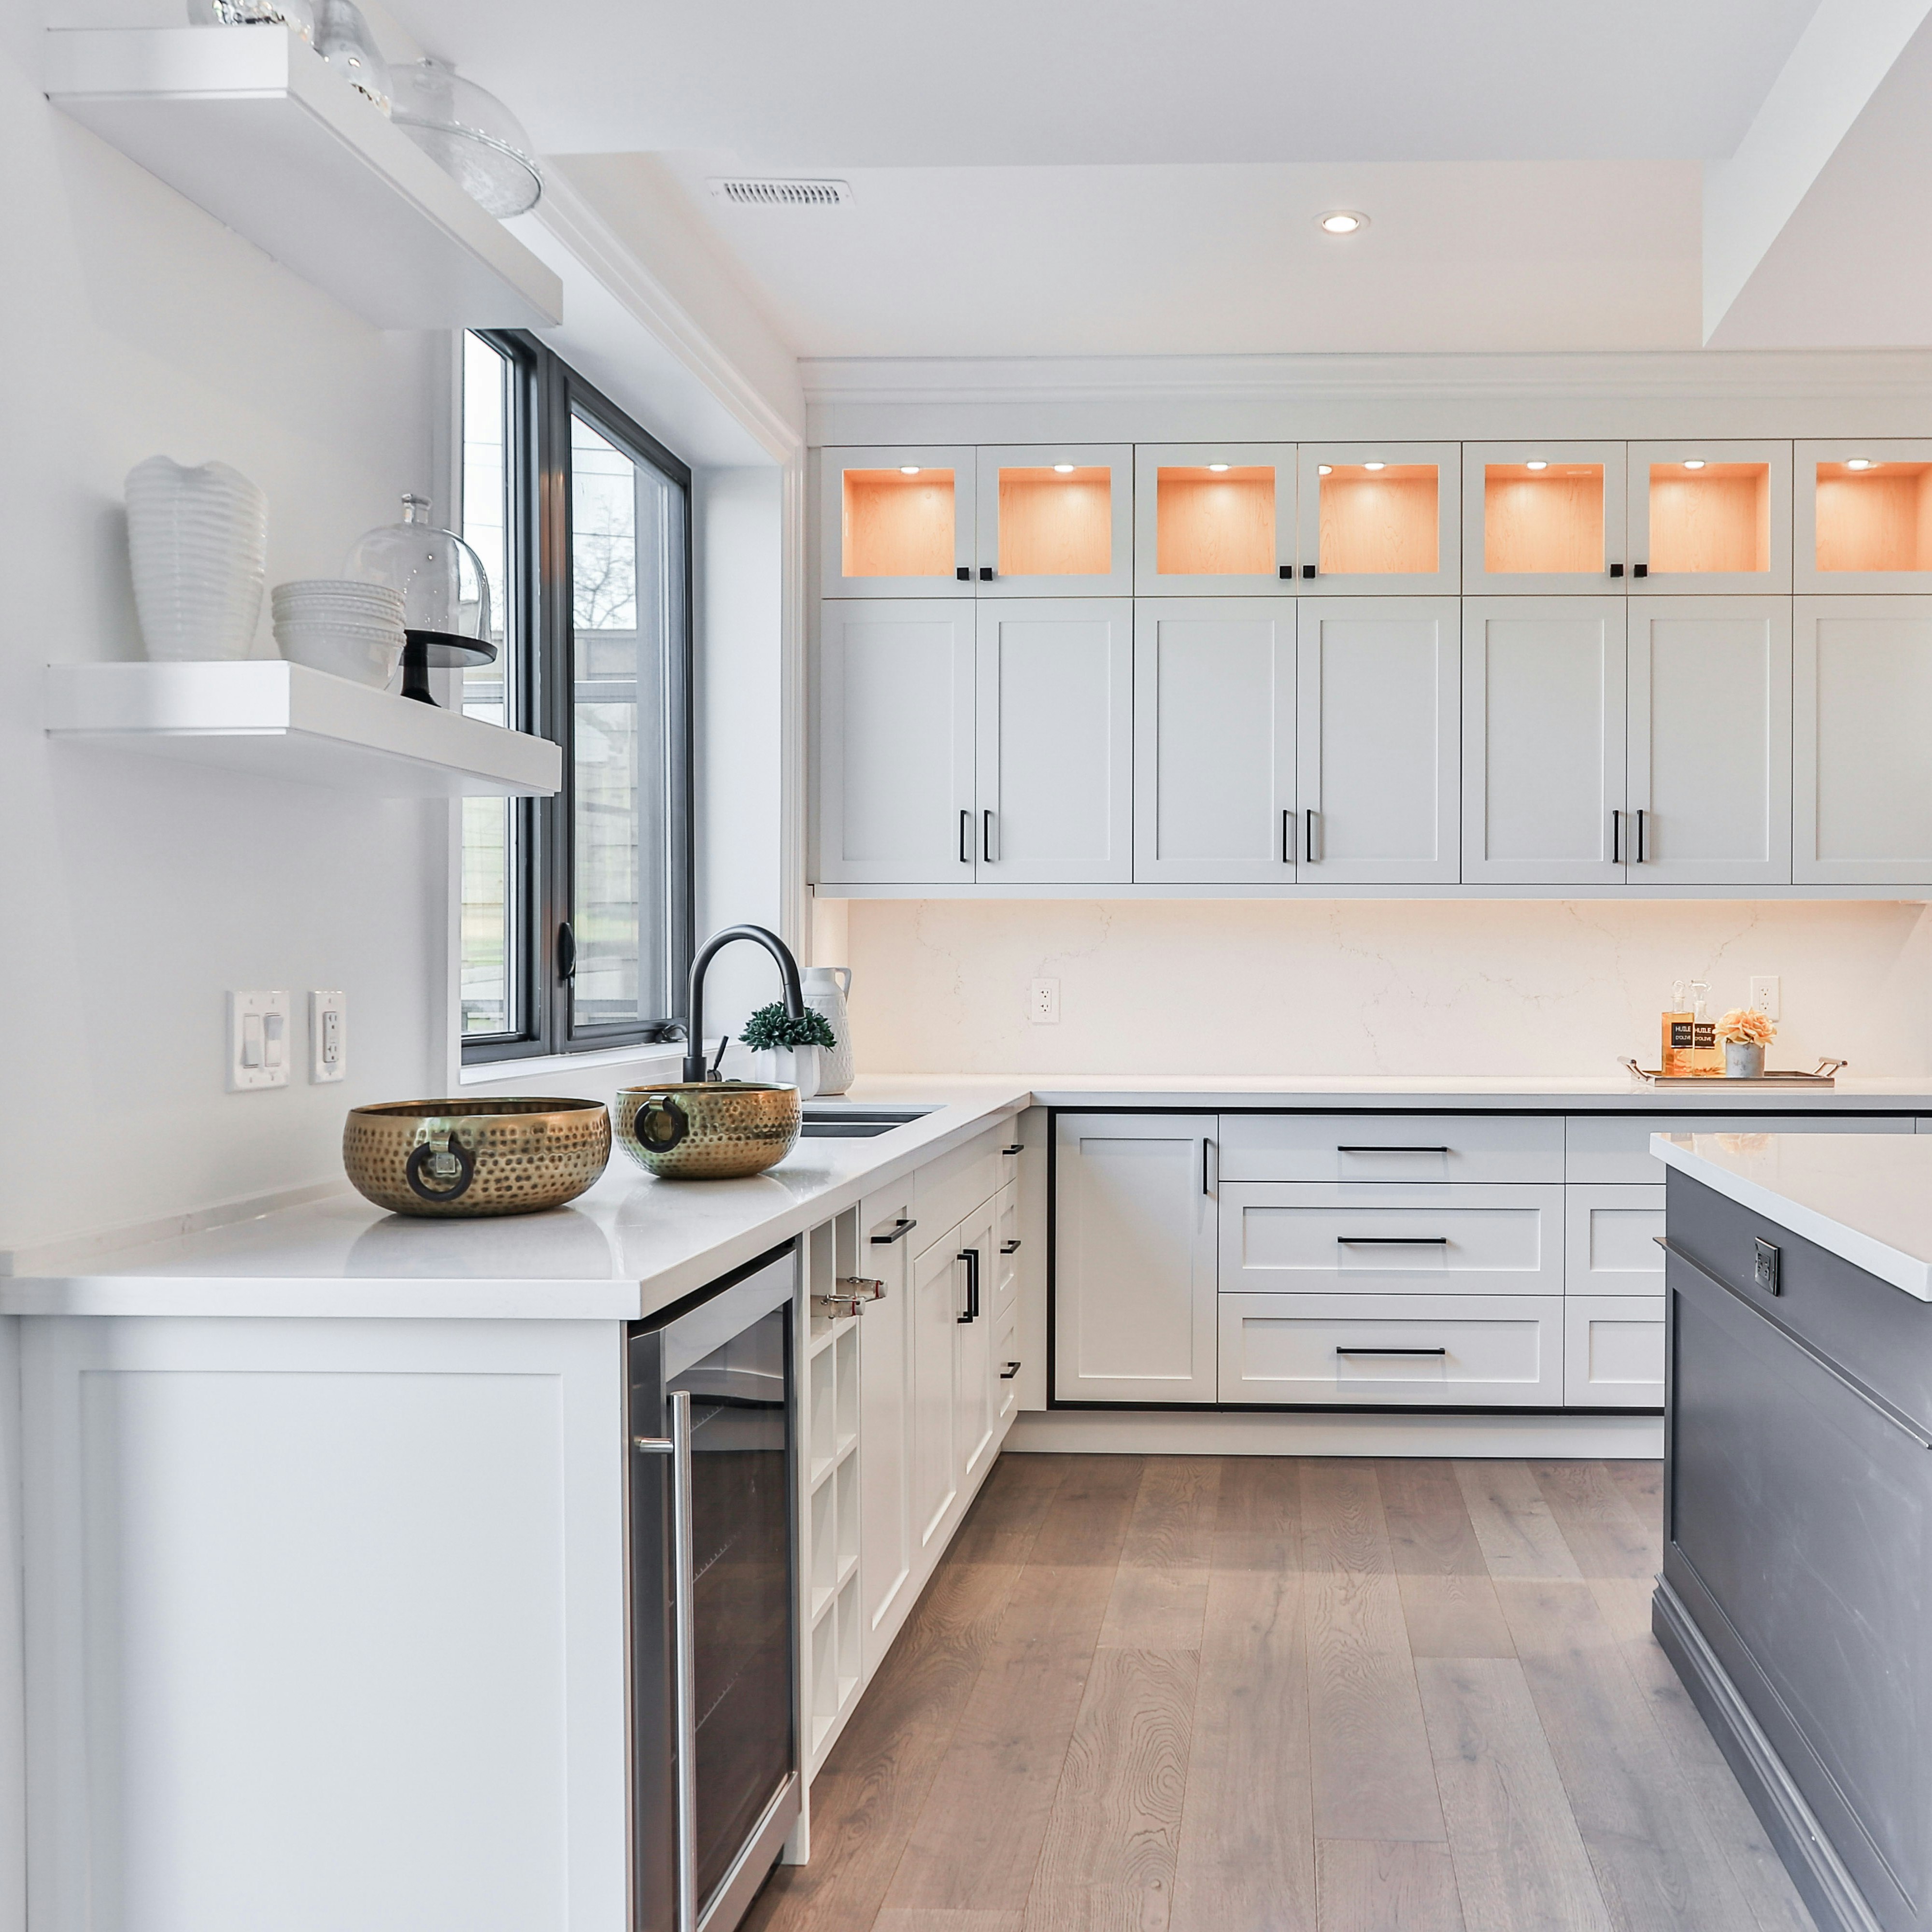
(1679,1036)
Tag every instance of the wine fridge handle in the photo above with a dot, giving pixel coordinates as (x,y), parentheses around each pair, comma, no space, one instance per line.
(684,1649)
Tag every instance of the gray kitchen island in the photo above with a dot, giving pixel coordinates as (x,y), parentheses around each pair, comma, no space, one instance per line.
(1795,1600)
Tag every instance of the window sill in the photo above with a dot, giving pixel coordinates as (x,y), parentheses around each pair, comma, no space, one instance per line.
(650,1061)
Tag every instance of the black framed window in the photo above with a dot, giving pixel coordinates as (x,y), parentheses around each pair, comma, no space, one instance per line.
(576,910)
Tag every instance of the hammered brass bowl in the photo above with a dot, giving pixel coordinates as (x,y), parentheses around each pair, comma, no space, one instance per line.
(466,1157)
(708,1129)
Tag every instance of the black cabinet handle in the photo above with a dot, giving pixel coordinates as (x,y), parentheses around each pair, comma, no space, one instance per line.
(965,836)
(1391,1240)
(1288,572)
(970,1256)
(1308,819)
(1616,570)
(1308,570)
(901,1229)
(1009,1247)
(1018,1146)
(1009,1371)
(986,835)
(566,952)
(1639,570)
(1206,1143)
(1642,837)
(1616,837)
(985,573)
(1287,835)
(963,572)
(1341,1351)
(1392,1149)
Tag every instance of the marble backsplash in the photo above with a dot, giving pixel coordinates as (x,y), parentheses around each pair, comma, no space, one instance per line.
(1365,986)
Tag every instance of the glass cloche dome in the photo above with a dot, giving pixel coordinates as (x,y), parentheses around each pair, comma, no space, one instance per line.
(469,133)
(445,592)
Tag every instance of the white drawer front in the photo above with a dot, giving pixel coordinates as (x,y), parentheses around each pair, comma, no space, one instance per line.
(1411,1147)
(1005,1260)
(1613,1352)
(948,1189)
(1418,1350)
(1616,1147)
(1611,1233)
(1377,1239)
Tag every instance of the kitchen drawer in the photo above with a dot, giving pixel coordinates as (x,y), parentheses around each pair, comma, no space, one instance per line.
(1005,1256)
(1448,1350)
(948,1189)
(1301,1239)
(1616,1147)
(1613,1351)
(1408,1147)
(1007,1364)
(1611,1236)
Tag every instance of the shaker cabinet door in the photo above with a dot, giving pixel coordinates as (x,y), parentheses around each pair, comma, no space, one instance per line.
(1543,741)
(938,1300)
(894,763)
(888,1544)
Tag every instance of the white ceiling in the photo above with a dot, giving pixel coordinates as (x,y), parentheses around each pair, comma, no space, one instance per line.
(1144,177)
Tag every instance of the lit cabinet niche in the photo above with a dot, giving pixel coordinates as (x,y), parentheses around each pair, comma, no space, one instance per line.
(1542,518)
(1863,516)
(898,522)
(1214,519)
(1709,518)
(1379,519)
(1055,521)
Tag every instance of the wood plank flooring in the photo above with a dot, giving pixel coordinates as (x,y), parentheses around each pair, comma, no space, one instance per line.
(1274,1694)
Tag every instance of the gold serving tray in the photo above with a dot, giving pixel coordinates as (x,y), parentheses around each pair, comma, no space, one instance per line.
(1770,1077)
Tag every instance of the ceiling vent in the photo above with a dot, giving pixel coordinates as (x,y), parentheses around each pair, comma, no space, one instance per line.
(770,191)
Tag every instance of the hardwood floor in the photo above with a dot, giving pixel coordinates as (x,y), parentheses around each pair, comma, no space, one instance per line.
(1270,1694)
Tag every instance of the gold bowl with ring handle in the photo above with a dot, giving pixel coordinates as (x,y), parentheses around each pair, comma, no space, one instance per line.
(708,1129)
(457,1158)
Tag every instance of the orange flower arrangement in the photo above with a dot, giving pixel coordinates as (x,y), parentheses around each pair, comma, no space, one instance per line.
(1747,1025)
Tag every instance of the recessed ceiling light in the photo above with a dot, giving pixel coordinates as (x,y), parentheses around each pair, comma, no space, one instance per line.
(1374,466)
(1860,463)
(1324,469)
(1341,221)
(1536,463)
(1063,469)
(1693,463)
(1217,468)
(908,468)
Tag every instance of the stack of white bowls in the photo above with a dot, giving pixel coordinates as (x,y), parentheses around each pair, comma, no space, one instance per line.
(334,624)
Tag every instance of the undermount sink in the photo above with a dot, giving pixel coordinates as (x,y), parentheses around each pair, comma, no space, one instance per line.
(829,1119)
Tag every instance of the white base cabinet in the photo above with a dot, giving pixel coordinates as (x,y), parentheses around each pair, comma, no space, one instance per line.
(1613,1351)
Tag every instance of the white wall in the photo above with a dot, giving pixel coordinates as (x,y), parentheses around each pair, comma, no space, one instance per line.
(1369,986)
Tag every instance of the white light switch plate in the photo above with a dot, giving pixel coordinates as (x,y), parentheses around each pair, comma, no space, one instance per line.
(1043,1003)
(1764,993)
(259,1047)
(328,1036)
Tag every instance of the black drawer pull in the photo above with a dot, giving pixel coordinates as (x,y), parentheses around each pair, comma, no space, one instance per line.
(1009,1371)
(1394,1150)
(1018,1146)
(1340,1350)
(901,1229)
(1392,1241)
(1009,1247)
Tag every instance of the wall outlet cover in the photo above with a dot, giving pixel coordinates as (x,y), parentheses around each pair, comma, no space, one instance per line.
(259,1045)
(1043,1003)
(328,1036)
(1764,994)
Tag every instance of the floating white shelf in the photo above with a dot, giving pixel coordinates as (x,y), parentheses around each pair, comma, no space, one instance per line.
(276,720)
(252,124)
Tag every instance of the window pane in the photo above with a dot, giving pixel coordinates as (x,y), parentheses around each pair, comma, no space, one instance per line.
(490,870)
(626,550)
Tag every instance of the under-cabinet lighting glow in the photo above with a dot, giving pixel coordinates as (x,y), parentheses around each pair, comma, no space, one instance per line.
(1063,469)
(1215,469)
(1693,463)
(1374,466)
(1538,464)
(1860,463)
(1324,469)
(1341,221)
(908,468)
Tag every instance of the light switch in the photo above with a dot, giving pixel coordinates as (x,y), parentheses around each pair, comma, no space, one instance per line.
(258,1041)
(328,1036)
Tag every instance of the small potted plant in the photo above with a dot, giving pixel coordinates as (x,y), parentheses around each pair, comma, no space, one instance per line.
(789,1048)
(1746,1033)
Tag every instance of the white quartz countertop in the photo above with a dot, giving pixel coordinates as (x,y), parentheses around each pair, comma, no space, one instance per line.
(1867,1198)
(634,1244)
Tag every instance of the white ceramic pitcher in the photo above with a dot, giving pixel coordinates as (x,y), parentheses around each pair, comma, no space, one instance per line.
(826,988)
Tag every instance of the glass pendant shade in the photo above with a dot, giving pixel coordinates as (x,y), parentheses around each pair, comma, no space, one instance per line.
(469,133)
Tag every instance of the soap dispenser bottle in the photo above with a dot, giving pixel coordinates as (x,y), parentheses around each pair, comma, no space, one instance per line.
(1674,1061)
(1707,1056)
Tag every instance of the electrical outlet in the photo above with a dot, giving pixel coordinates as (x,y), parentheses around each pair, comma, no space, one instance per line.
(328,1036)
(1764,993)
(258,1041)
(1043,1003)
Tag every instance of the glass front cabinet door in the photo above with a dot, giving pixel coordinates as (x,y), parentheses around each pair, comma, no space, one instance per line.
(1213,519)
(1056,520)
(1543,519)
(1862,516)
(1709,518)
(897,523)
(1379,519)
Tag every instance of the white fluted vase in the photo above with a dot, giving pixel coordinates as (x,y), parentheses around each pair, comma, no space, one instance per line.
(826,988)
(198,544)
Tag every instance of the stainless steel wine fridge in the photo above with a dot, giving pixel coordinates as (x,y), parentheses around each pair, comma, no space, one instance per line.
(714,1740)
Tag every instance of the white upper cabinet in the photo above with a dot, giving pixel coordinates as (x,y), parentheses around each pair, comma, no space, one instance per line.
(1055,741)
(1862,516)
(896,522)
(1379,764)
(1543,741)
(1861,721)
(1135,1270)
(1710,742)
(896,735)
(1056,520)
(1380,519)
(1214,739)
(1542,516)
(1213,519)
(1709,518)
